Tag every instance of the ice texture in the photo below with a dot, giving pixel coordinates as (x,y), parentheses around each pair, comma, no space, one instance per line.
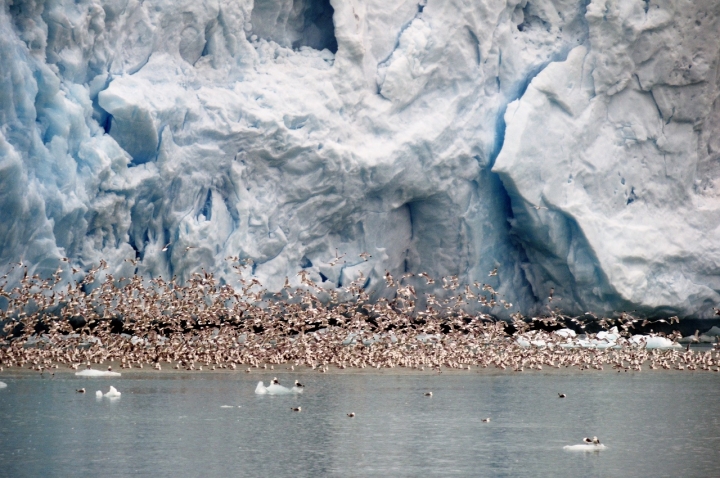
(424,133)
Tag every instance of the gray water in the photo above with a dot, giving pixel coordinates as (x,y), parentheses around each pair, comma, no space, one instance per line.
(654,424)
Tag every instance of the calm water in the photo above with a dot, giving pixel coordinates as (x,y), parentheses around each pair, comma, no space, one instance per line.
(655,424)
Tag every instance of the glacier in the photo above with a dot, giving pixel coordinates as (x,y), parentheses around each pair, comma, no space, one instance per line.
(571,145)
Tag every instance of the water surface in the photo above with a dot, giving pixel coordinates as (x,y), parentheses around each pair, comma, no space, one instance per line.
(654,423)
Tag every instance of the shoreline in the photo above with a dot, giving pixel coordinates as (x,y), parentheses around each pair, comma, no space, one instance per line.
(285,368)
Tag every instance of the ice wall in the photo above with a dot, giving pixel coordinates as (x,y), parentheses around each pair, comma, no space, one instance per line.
(283,130)
(612,161)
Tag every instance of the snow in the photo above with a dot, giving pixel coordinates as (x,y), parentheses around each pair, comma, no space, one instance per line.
(425,134)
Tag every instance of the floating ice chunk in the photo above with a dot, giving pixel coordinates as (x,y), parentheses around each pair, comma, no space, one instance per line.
(275,389)
(604,345)
(112,393)
(609,336)
(660,343)
(3,385)
(653,342)
(565,333)
(522,342)
(98,394)
(138,340)
(227,406)
(97,373)
(584,447)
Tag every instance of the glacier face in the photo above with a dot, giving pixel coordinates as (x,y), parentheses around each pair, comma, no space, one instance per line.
(568,144)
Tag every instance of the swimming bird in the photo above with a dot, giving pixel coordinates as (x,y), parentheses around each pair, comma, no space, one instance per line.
(296,409)
(275,381)
(351,414)
(486,420)
(593,440)
(298,384)
(428,394)
(561,395)
(80,390)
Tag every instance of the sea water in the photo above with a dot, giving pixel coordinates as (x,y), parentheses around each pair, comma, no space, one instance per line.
(213,424)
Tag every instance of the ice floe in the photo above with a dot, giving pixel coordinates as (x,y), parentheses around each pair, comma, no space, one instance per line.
(97,373)
(275,389)
(585,447)
(112,393)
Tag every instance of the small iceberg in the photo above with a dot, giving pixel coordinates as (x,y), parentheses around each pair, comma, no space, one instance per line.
(565,333)
(3,385)
(275,389)
(96,373)
(654,342)
(522,342)
(585,447)
(112,393)
(98,394)
(227,406)
(611,335)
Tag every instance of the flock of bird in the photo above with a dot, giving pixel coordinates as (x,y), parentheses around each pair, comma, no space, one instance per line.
(207,323)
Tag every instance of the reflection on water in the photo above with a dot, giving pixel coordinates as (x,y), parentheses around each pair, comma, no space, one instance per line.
(655,424)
